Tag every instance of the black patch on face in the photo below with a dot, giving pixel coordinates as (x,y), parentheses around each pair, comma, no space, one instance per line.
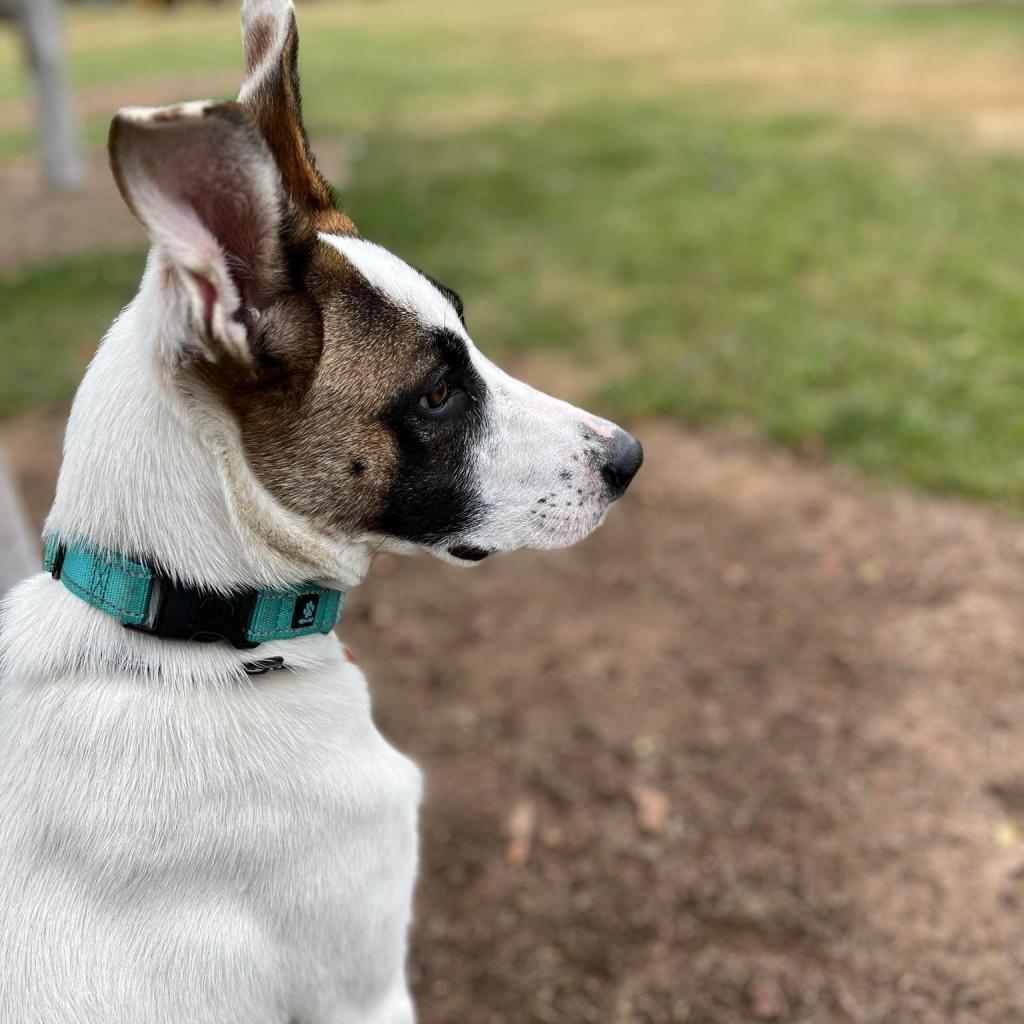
(433,497)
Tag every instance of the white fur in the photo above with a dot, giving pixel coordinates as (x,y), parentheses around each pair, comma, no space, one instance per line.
(218,852)
(535,469)
(179,842)
(403,285)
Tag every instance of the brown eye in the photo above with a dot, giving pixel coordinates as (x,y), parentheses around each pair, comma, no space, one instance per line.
(435,397)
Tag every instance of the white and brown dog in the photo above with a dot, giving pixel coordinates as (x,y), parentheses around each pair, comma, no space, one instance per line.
(180,840)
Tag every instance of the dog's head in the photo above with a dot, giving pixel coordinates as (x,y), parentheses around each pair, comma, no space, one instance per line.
(361,402)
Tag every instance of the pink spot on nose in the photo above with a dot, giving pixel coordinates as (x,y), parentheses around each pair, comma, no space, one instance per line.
(601,429)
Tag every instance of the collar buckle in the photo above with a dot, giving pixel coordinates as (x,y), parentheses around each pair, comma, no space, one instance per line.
(183,613)
(58,560)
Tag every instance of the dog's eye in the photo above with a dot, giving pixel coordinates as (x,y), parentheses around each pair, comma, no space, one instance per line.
(436,397)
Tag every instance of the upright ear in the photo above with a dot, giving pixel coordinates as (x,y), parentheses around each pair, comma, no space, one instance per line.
(204,184)
(270,92)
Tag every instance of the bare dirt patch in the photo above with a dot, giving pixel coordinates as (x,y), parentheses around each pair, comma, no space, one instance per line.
(750,753)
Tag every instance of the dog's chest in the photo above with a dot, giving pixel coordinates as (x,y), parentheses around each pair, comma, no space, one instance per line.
(277,819)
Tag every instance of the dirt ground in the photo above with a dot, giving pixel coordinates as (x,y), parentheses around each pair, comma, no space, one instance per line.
(750,753)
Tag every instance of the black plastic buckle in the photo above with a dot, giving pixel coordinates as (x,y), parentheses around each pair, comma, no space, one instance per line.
(58,560)
(184,613)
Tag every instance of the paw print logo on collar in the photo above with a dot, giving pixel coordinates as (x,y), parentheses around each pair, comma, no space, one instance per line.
(305,610)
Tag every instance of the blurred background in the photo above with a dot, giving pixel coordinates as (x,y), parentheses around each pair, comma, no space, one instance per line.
(753,751)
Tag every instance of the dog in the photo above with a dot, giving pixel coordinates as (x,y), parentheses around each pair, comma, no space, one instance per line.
(199,820)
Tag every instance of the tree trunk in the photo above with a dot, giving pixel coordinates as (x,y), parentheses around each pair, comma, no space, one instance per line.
(40,24)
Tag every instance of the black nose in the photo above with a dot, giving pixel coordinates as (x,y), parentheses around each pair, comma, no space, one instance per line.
(624,460)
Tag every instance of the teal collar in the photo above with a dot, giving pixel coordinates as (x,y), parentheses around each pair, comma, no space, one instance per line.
(142,599)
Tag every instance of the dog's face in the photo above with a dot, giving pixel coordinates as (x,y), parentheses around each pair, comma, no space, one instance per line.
(362,402)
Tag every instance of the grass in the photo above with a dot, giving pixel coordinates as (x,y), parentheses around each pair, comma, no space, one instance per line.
(52,318)
(948,20)
(722,251)
(859,291)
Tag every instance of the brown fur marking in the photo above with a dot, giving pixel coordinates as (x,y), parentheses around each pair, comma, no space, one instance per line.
(332,354)
(276,103)
(257,44)
(336,356)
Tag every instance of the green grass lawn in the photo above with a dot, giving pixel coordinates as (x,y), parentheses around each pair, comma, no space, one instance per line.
(716,253)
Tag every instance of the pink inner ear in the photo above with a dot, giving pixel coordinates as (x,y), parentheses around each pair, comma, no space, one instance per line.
(227,212)
(235,220)
(208,293)
(209,191)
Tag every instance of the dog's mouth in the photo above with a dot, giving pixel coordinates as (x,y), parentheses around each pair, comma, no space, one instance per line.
(468,553)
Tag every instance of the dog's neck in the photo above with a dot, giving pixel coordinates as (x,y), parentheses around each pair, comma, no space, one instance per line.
(156,471)
(154,468)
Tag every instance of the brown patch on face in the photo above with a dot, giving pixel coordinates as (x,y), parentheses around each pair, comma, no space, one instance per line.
(276,103)
(334,357)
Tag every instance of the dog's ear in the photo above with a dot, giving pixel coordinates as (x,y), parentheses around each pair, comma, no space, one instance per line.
(270,92)
(203,182)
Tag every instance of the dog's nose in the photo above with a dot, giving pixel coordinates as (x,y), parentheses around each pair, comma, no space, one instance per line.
(624,460)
